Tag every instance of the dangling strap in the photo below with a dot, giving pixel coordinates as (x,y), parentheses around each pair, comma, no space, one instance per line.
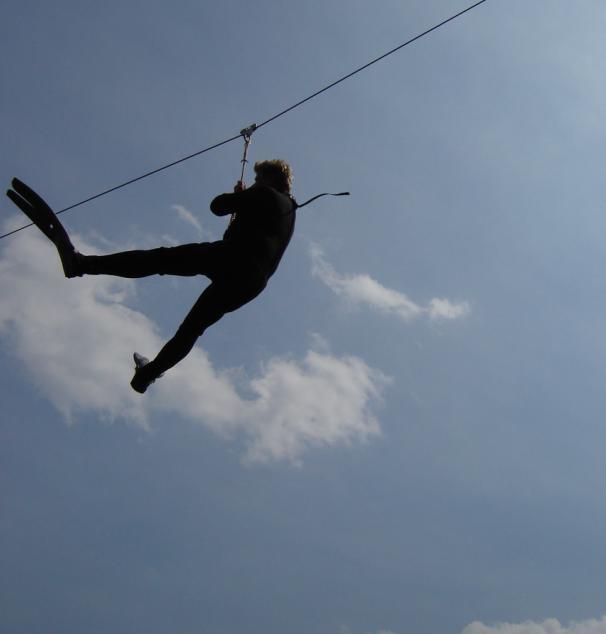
(319,196)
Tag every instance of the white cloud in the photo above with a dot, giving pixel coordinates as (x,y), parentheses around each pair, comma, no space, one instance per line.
(320,401)
(440,308)
(364,290)
(188,217)
(76,338)
(550,626)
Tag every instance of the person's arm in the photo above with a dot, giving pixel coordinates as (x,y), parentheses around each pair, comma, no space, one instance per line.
(239,201)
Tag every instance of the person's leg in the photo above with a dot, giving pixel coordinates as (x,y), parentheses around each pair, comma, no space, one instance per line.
(190,259)
(186,260)
(216,300)
(206,311)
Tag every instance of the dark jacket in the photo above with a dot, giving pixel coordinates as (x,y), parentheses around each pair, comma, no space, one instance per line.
(263,224)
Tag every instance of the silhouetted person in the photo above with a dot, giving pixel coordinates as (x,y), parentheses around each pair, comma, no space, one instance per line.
(238,266)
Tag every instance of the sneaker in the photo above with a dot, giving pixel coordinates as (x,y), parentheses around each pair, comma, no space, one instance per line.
(140,382)
(140,360)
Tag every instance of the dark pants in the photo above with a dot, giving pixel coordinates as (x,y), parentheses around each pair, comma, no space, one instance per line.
(235,280)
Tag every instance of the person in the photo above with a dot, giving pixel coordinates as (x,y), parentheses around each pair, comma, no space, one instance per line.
(238,266)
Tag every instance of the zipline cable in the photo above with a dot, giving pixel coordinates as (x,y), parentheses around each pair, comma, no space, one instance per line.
(255,127)
(374,61)
(130,182)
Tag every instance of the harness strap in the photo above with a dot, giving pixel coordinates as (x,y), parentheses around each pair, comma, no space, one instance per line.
(297,206)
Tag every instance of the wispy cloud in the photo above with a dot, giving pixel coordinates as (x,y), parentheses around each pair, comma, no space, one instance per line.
(189,218)
(76,338)
(363,290)
(320,401)
(550,626)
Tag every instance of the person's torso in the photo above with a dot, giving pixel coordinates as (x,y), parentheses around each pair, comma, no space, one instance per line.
(263,231)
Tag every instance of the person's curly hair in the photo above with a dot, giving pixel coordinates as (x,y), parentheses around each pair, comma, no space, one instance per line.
(277,171)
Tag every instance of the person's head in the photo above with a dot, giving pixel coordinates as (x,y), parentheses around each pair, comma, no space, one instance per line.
(275,173)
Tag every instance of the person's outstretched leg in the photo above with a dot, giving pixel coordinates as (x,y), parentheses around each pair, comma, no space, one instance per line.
(218,298)
(186,260)
(209,308)
(189,259)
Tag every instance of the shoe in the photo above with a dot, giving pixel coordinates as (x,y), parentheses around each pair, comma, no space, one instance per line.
(140,360)
(140,382)
(38,211)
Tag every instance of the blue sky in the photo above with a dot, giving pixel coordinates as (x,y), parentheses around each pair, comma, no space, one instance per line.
(404,432)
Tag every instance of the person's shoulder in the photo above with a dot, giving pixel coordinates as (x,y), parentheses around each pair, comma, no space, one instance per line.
(260,189)
(271,196)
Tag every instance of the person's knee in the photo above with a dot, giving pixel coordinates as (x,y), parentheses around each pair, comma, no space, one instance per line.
(242,291)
